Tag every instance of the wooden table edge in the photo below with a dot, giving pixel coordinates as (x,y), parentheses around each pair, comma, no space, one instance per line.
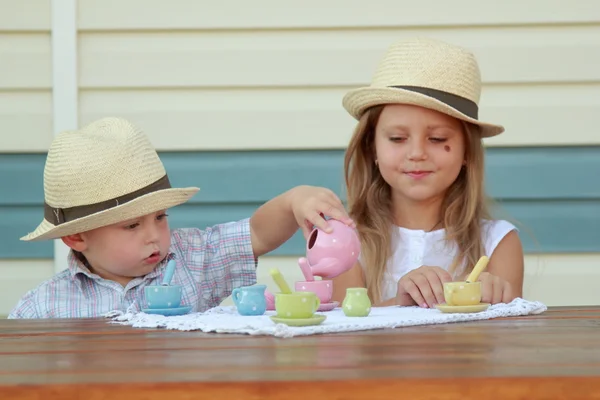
(506,388)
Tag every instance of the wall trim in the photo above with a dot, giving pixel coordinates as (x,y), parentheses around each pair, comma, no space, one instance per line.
(64,84)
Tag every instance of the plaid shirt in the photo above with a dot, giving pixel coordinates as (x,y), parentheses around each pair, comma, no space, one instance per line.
(210,264)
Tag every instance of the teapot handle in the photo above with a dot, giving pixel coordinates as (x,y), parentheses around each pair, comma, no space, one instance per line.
(235,296)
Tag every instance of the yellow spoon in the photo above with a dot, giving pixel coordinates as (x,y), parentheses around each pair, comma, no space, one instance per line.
(479,267)
(278,278)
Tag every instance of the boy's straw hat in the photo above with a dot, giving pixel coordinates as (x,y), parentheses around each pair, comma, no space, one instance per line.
(427,73)
(102,174)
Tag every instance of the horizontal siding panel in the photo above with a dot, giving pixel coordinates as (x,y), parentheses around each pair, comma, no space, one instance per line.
(232,119)
(553,279)
(19,276)
(256,176)
(25,121)
(25,15)
(25,61)
(16,221)
(193,14)
(547,227)
(543,115)
(324,58)
(24,175)
(313,118)
(543,173)
(562,279)
(534,187)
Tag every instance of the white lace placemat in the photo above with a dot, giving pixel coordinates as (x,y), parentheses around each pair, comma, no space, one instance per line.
(227,320)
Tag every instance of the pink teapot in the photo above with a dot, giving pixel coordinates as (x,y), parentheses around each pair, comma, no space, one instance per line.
(327,254)
(330,254)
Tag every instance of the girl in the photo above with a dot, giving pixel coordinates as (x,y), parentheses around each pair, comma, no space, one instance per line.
(414,173)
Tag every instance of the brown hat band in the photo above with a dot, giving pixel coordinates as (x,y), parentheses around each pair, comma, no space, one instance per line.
(465,106)
(59,216)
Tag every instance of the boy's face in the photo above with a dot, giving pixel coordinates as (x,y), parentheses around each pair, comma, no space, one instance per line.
(125,250)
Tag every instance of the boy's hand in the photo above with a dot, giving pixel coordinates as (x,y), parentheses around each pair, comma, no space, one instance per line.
(310,204)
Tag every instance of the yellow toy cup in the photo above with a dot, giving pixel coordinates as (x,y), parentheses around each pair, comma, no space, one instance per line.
(296,304)
(462,293)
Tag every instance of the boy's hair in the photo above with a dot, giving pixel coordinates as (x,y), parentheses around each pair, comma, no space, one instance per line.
(369,202)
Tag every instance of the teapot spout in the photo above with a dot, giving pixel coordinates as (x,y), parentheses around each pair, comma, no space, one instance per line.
(329,268)
(306,269)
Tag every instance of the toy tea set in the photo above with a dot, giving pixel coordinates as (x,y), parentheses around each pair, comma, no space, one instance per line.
(165,299)
(465,297)
(331,254)
(327,256)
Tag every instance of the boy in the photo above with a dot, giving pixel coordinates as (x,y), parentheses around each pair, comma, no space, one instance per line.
(106,195)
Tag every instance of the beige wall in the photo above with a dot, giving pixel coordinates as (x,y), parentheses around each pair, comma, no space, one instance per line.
(186,69)
(25,76)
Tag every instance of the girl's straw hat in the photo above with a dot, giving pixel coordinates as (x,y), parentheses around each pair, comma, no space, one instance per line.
(427,73)
(102,174)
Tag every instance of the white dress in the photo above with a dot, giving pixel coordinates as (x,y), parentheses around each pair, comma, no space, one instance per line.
(412,249)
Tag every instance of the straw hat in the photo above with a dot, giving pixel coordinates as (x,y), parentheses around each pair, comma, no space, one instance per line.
(102,174)
(427,73)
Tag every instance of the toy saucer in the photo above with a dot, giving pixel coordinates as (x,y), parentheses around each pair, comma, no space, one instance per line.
(445,308)
(328,306)
(314,320)
(168,311)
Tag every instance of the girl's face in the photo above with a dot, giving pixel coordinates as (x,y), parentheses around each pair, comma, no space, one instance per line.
(419,152)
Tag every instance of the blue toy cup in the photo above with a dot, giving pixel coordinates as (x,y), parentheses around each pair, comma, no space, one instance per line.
(250,300)
(159,296)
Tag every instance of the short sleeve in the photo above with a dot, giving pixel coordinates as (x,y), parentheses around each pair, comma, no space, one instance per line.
(494,232)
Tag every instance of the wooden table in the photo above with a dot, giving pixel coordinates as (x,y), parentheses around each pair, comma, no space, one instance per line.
(554,355)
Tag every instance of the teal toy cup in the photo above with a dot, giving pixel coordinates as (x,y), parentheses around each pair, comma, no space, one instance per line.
(160,296)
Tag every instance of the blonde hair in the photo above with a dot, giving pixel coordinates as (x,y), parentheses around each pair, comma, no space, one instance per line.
(369,202)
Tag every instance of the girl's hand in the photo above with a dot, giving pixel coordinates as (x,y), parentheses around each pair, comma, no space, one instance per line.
(311,204)
(422,286)
(494,289)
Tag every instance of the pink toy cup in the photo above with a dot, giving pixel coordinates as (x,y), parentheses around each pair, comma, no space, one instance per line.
(270,300)
(323,289)
(331,254)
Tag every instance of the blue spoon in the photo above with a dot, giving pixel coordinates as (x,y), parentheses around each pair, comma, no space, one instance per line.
(168,273)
